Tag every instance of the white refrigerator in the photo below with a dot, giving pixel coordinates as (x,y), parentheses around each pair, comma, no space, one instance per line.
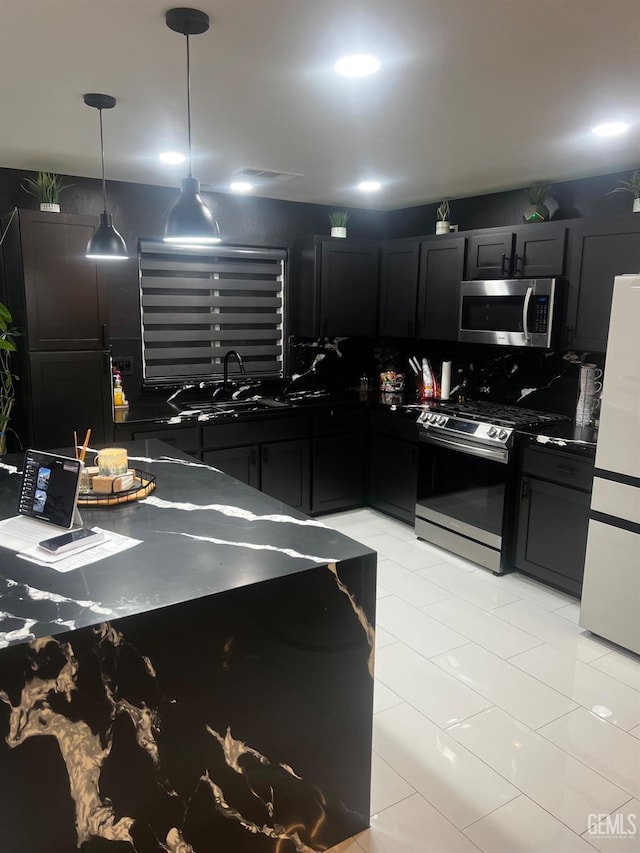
(610,603)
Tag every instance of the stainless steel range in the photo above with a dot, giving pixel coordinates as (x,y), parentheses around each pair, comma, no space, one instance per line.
(466,477)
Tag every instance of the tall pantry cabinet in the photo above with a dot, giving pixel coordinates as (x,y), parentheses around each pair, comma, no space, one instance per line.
(58,299)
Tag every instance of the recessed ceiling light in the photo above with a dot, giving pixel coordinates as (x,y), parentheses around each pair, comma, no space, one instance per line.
(611,128)
(173,158)
(357,65)
(240,187)
(369,186)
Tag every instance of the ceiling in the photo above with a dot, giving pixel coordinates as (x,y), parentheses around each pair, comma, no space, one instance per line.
(473,96)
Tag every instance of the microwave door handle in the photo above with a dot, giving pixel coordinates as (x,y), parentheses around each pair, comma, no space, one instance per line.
(525,314)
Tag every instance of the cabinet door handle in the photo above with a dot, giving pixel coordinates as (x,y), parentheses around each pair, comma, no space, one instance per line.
(252,457)
(520,259)
(505,265)
(104,337)
(265,453)
(524,491)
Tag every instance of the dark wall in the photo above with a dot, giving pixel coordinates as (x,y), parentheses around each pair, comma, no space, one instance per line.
(569,200)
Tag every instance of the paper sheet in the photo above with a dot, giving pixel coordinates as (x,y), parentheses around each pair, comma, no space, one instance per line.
(113,543)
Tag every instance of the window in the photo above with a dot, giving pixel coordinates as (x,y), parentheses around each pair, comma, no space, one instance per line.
(199,302)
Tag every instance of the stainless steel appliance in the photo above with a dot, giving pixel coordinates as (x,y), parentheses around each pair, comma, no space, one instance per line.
(515,312)
(465,475)
(611,592)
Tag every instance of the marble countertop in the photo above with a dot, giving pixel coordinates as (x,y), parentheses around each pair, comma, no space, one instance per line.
(202,533)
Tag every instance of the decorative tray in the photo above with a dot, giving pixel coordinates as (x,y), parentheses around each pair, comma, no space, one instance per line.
(144,484)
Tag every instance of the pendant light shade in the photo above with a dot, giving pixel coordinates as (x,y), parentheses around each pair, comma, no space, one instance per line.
(106,244)
(190,220)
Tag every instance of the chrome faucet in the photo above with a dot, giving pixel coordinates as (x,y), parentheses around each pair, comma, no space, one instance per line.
(225,373)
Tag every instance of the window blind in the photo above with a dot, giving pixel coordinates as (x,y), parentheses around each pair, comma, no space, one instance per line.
(197,303)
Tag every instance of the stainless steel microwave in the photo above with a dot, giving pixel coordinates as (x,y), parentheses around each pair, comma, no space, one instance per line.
(516,313)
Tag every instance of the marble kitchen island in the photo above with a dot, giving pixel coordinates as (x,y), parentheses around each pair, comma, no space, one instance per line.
(209,689)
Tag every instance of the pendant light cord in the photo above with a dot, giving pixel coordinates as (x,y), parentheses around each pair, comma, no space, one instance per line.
(189,101)
(104,183)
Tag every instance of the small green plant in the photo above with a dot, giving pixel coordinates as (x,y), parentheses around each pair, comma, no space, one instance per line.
(632,186)
(539,193)
(8,333)
(444,211)
(46,187)
(338,218)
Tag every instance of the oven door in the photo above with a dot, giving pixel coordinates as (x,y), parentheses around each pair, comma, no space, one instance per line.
(461,497)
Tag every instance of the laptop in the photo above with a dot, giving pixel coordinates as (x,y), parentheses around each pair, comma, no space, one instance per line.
(47,500)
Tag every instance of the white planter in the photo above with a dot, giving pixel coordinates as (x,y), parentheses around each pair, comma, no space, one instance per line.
(443,227)
(636,205)
(49,208)
(338,231)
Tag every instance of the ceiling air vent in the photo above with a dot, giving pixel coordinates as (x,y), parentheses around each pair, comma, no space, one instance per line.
(266,175)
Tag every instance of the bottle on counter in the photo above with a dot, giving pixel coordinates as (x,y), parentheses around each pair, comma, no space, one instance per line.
(364,382)
(118,394)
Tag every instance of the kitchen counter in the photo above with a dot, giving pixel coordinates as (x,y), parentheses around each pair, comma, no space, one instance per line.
(212,683)
(568,435)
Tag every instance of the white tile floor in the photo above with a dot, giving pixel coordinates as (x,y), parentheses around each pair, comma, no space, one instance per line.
(499,724)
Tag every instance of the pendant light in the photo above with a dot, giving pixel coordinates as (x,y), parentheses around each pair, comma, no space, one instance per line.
(106,244)
(190,220)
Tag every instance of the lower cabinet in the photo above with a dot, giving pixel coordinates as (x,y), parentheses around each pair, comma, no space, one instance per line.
(338,459)
(285,473)
(393,466)
(553,518)
(238,462)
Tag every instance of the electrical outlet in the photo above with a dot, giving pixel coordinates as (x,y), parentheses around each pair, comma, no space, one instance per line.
(123,363)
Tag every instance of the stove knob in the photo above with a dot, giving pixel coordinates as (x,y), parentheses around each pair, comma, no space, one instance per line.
(431,418)
(491,432)
(442,420)
(502,434)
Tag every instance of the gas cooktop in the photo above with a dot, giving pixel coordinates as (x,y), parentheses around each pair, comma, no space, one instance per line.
(479,422)
(496,413)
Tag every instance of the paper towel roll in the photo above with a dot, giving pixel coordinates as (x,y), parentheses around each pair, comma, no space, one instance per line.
(445,383)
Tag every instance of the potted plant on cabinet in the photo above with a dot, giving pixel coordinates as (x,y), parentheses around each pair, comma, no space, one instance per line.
(632,186)
(536,210)
(443,225)
(338,220)
(8,333)
(46,187)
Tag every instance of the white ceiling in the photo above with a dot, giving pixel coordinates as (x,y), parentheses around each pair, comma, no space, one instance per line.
(473,95)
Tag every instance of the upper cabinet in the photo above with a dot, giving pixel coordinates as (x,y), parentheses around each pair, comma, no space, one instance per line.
(335,287)
(600,251)
(441,271)
(399,261)
(56,294)
(527,251)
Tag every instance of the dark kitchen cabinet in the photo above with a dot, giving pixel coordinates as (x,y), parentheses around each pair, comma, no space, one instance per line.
(399,262)
(55,293)
(600,251)
(285,472)
(393,466)
(441,271)
(272,455)
(58,298)
(334,287)
(69,391)
(338,460)
(238,462)
(553,517)
(528,251)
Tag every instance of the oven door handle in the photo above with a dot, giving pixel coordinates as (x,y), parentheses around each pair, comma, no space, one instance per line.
(498,454)
(525,314)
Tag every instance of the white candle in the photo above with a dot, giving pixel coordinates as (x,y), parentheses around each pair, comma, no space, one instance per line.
(445,383)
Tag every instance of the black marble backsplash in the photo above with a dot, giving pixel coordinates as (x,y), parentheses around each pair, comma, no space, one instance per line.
(542,380)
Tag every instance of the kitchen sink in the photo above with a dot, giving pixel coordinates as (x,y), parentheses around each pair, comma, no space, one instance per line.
(234,406)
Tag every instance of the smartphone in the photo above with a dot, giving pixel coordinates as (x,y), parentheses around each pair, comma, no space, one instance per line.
(74,540)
